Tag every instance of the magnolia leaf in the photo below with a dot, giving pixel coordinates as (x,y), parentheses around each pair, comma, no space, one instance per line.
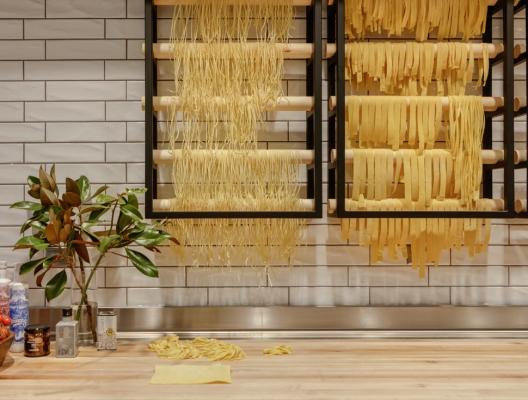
(48,198)
(41,277)
(27,205)
(32,252)
(153,249)
(39,226)
(99,191)
(51,235)
(132,212)
(84,188)
(28,242)
(151,238)
(94,207)
(136,190)
(142,263)
(71,186)
(71,199)
(67,216)
(122,222)
(51,216)
(107,243)
(89,224)
(94,238)
(60,215)
(31,265)
(105,233)
(44,181)
(54,177)
(64,234)
(34,194)
(133,201)
(104,198)
(33,180)
(80,248)
(56,285)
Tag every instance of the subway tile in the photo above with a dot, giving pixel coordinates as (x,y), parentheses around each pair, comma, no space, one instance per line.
(12,153)
(12,70)
(85,49)
(136,173)
(384,276)
(135,131)
(125,28)
(135,90)
(227,277)
(489,296)
(518,235)
(308,276)
(131,277)
(124,111)
(134,49)
(22,91)
(405,296)
(65,111)
(499,235)
(64,70)
(64,29)
(254,297)
(468,276)
(22,50)
(9,236)
(329,296)
(10,194)
(12,29)
(112,297)
(17,173)
(65,152)
(11,112)
(323,234)
(96,173)
(86,90)
(21,132)
(37,298)
(7,254)
(135,9)
(125,70)
(86,9)
(12,217)
(125,152)
(114,259)
(23,9)
(85,131)
(518,276)
(496,255)
(167,297)
(332,255)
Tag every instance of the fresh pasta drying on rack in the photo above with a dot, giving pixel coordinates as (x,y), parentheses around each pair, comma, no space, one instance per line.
(392,17)
(228,70)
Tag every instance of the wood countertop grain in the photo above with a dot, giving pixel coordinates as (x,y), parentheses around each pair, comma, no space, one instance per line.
(317,369)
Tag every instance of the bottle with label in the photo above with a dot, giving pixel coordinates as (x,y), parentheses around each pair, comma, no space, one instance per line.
(4,289)
(67,335)
(18,309)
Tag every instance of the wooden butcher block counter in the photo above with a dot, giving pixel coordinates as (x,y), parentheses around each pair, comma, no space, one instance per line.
(317,369)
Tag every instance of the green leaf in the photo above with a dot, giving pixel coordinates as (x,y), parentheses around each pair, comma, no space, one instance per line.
(107,242)
(84,187)
(94,238)
(122,222)
(98,213)
(28,242)
(94,207)
(142,263)
(104,198)
(89,224)
(31,265)
(33,180)
(132,212)
(136,190)
(56,285)
(39,226)
(27,205)
(133,201)
(152,238)
(99,191)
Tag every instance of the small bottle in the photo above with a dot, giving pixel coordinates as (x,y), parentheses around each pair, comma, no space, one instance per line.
(18,309)
(67,335)
(4,289)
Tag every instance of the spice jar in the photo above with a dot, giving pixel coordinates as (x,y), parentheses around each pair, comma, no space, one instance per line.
(36,340)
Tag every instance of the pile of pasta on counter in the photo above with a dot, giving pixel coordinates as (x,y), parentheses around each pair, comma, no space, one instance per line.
(416,144)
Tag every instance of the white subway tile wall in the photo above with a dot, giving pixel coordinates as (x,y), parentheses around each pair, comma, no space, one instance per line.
(71,80)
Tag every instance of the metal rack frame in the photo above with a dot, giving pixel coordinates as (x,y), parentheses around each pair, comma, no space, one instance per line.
(337,185)
(313,135)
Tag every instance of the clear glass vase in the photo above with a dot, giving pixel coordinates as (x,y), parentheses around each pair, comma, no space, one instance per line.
(88,315)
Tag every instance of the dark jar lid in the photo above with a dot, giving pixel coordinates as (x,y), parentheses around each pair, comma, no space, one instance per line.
(36,328)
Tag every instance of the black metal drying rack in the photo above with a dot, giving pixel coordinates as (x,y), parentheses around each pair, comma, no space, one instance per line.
(337,184)
(314,76)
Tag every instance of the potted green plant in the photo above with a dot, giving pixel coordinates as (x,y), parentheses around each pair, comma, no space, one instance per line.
(72,222)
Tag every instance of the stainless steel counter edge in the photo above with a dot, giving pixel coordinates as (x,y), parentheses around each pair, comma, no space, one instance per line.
(314,322)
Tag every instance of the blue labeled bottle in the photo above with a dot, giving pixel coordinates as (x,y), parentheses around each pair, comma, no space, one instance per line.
(18,309)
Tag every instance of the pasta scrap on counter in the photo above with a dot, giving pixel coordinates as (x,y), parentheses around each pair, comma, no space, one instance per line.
(277,351)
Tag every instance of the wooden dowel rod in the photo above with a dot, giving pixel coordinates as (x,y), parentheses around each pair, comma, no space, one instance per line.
(300,103)
(292,51)
(489,157)
(519,103)
(521,205)
(304,3)
(494,49)
(498,205)
(169,157)
(490,103)
(490,2)
(518,50)
(521,156)
(164,205)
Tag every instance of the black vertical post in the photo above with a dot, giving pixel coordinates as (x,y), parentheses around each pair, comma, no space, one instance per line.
(487,91)
(151,124)
(331,86)
(340,107)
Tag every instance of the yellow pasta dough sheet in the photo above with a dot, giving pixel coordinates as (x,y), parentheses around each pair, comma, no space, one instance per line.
(191,374)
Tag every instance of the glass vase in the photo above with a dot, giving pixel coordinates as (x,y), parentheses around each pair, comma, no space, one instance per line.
(88,315)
